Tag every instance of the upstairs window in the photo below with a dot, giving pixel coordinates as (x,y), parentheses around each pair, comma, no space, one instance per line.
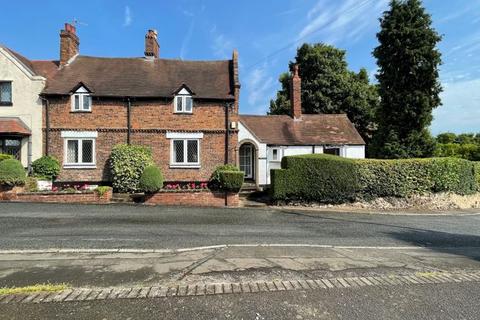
(81,101)
(5,93)
(183,102)
(275,154)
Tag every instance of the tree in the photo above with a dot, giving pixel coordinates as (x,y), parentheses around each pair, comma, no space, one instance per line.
(329,87)
(409,87)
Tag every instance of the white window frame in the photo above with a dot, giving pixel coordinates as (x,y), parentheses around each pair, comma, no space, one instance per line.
(279,154)
(185,136)
(183,95)
(82,94)
(185,163)
(79,136)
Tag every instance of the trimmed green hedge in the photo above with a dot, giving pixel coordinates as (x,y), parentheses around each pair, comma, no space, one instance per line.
(127,163)
(231,180)
(226,177)
(151,179)
(12,173)
(332,179)
(46,167)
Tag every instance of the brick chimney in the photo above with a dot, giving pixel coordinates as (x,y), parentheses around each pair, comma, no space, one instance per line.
(69,44)
(152,48)
(296,93)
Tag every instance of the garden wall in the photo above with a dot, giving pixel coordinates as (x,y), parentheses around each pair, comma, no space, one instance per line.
(202,198)
(54,197)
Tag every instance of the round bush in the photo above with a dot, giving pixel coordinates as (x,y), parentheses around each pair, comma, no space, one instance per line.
(46,167)
(127,163)
(12,173)
(151,179)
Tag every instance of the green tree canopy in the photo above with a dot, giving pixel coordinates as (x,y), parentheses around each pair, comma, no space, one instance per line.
(329,87)
(409,87)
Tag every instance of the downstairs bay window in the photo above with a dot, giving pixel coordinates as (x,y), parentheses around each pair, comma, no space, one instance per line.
(184,149)
(79,149)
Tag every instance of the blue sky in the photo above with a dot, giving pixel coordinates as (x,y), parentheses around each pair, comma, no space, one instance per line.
(266,33)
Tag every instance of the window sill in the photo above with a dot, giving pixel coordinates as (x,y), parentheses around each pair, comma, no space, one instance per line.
(185,113)
(185,166)
(81,111)
(79,166)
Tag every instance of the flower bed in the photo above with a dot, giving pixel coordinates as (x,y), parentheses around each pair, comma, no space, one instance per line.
(192,197)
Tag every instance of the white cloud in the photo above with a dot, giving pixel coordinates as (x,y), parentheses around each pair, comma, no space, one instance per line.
(127,20)
(260,87)
(222,47)
(186,40)
(348,21)
(461,108)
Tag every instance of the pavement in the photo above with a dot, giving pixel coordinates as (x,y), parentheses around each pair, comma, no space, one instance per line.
(137,262)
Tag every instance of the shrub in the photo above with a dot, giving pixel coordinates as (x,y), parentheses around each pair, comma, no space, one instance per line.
(31,184)
(4,156)
(151,179)
(215,181)
(127,163)
(12,173)
(101,190)
(231,180)
(330,179)
(46,167)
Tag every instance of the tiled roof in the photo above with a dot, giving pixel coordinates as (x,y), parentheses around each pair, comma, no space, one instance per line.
(45,68)
(312,129)
(14,126)
(140,77)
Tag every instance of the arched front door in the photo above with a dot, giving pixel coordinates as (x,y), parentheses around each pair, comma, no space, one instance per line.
(247,163)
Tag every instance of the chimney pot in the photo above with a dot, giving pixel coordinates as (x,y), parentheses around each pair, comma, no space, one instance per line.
(296,93)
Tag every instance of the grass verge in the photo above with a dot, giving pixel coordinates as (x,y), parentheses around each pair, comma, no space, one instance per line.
(34,288)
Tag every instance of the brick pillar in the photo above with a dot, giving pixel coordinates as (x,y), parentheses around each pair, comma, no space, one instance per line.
(296,93)
(69,44)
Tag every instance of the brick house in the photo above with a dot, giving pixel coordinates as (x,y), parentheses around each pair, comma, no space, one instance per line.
(185,111)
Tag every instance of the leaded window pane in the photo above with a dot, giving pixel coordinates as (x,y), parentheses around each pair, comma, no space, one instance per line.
(77,102)
(72,151)
(188,104)
(5,92)
(87,151)
(192,151)
(179,104)
(178,149)
(86,102)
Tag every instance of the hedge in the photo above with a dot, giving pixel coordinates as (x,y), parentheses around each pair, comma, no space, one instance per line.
(332,179)
(231,180)
(46,167)
(4,156)
(226,177)
(151,179)
(12,173)
(127,163)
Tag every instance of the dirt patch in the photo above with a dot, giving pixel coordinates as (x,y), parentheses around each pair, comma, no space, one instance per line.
(427,203)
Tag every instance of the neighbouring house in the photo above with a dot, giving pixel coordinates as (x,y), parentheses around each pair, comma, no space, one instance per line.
(264,140)
(21,82)
(186,111)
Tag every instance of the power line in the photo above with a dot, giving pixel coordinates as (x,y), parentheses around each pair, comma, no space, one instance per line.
(274,53)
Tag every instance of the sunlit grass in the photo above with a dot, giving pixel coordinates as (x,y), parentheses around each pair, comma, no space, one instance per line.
(45,287)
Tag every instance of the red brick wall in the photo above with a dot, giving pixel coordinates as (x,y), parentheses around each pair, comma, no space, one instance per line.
(150,120)
(84,197)
(193,198)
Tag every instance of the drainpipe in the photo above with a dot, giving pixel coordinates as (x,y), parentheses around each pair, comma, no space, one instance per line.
(29,154)
(129,124)
(47,125)
(227,131)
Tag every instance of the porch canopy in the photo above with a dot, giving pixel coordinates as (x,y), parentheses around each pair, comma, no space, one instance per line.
(14,127)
